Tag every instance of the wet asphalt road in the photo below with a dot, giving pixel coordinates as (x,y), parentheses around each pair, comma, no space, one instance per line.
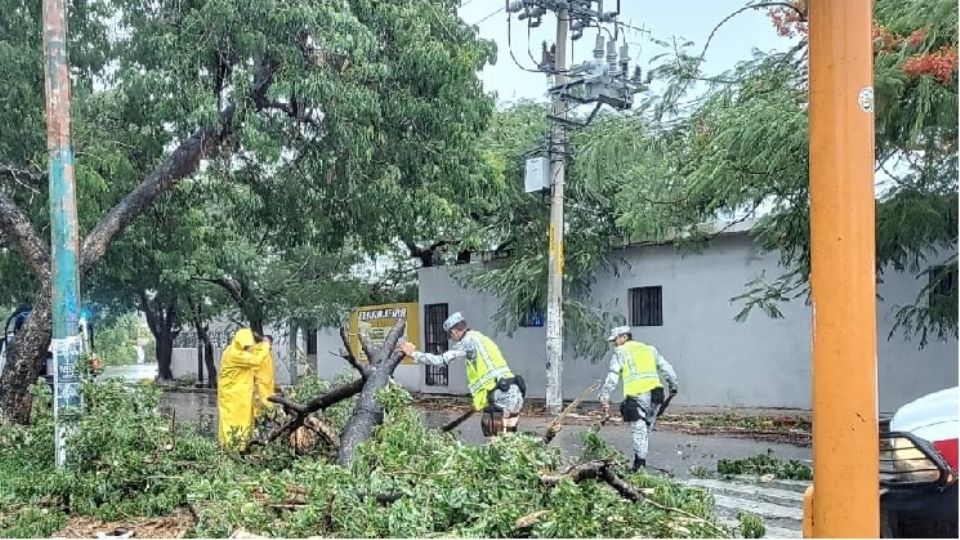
(670,451)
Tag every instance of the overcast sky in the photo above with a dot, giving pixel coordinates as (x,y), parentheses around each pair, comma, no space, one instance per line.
(692,20)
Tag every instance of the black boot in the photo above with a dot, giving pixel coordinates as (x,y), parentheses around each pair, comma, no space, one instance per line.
(639,463)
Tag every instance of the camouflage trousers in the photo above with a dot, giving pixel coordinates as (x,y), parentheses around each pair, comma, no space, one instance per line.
(510,403)
(640,430)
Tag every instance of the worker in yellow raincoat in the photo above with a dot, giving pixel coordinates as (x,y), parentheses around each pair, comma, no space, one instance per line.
(264,376)
(235,388)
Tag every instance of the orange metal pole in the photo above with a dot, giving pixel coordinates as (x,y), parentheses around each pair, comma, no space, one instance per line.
(843,278)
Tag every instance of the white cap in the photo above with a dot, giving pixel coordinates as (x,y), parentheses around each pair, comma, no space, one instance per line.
(452,321)
(617,332)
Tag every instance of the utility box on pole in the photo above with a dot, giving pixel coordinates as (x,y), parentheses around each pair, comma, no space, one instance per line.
(536,178)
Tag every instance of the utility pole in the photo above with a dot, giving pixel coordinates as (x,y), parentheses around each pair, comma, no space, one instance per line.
(844,501)
(66,343)
(599,81)
(558,166)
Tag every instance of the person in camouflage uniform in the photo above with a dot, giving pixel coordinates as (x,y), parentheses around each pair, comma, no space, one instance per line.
(496,391)
(644,372)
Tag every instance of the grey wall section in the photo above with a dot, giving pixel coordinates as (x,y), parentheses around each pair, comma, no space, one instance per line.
(184,362)
(762,362)
(330,366)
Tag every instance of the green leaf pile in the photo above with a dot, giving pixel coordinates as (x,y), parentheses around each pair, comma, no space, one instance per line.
(127,459)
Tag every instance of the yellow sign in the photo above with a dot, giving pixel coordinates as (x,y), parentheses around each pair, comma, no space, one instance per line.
(376,322)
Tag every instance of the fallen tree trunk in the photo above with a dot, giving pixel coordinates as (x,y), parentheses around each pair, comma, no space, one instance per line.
(369,413)
(320,403)
(577,473)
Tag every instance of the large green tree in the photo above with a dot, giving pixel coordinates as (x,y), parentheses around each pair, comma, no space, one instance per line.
(338,109)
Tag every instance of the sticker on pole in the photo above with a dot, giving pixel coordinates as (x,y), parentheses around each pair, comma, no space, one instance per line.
(865,99)
(66,361)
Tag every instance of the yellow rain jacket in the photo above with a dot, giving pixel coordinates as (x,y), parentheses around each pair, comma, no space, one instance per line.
(235,388)
(264,376)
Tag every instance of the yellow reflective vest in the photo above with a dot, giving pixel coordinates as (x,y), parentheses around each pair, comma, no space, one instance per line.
(639,371)
(485,368)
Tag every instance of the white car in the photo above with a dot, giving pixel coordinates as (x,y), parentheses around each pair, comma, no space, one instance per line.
(918,468)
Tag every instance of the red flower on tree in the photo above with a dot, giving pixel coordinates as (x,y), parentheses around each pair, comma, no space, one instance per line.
(917,37)
(790,21)
(940,64)
(884,40)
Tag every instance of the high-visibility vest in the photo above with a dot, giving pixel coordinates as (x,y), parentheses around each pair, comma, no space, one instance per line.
(484,369)
(639,371)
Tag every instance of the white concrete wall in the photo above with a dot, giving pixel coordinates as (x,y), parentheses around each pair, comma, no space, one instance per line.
(761,362)
(185,358)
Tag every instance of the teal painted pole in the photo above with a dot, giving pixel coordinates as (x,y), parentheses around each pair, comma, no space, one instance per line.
(63,219)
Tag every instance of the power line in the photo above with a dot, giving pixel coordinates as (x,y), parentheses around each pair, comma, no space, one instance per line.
(488,16)
(510,47)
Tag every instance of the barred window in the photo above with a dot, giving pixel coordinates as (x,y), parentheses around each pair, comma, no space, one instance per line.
(532,317)
(646,306)
(435,342)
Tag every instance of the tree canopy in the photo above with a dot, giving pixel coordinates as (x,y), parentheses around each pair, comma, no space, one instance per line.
(326,126)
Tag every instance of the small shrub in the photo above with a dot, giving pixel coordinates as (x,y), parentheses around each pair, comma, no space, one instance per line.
(751,525)
(765,464)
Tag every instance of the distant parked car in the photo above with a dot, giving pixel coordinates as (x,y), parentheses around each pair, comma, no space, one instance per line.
(918,468)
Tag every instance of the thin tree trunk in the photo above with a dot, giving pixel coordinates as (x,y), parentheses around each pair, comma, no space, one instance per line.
(162,320)
(164,356)
(252,308)
(256,322)
(26,360)
(199,359)
(204,336)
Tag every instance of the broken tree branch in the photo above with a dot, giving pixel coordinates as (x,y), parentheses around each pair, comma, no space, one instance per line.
(450,426)
(577,473)
(301,411)
(348,354)
(383,498)
(602,470)
(366,345)
(557,424)
(321,402)
(29,179)
(324,430)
